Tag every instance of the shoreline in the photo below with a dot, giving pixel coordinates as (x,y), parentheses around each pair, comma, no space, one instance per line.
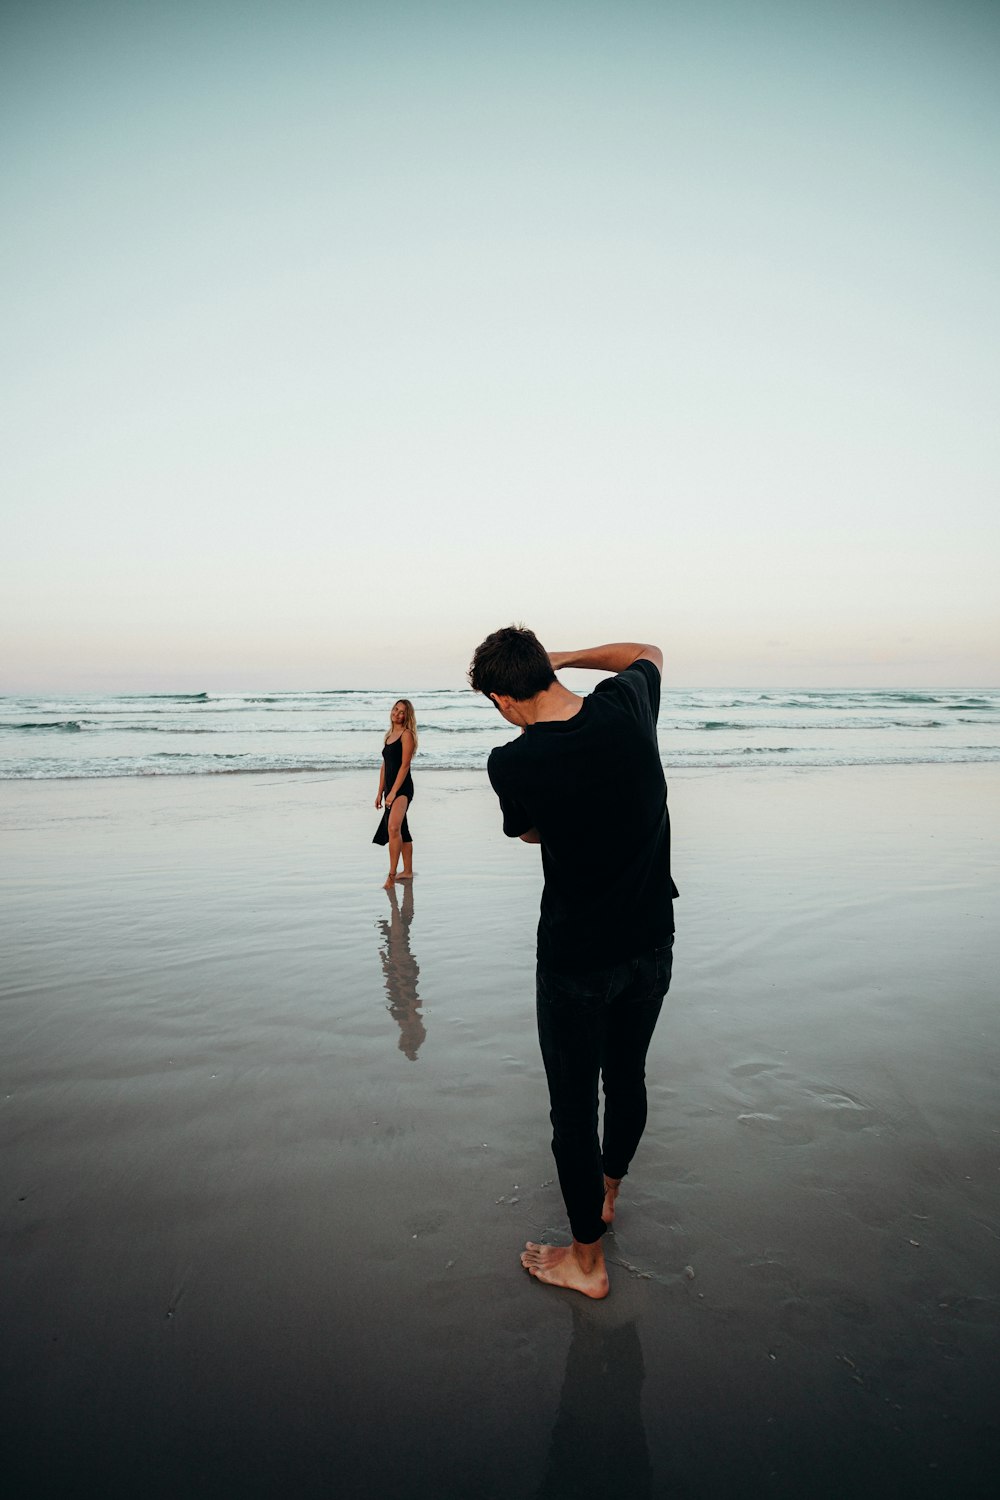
(672,772)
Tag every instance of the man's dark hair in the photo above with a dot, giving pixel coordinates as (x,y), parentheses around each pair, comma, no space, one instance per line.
(512,662)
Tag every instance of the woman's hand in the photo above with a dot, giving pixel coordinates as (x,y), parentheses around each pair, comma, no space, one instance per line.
(378,800)
(390,797)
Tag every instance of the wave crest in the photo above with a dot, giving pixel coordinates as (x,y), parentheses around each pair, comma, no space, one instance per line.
(64,726)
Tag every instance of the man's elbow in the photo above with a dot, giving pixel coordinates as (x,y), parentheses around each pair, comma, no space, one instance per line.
(653,654)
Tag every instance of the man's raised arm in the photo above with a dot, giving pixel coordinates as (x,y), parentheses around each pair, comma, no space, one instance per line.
(612,658)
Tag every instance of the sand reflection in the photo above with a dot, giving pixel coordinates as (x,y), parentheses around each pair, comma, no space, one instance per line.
(401,971)
(598,1445)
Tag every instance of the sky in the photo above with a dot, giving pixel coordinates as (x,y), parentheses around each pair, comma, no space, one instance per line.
(337,335)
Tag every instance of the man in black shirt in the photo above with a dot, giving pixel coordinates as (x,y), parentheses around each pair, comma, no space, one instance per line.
(584,780)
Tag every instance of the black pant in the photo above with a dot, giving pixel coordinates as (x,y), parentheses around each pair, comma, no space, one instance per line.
(591,1026)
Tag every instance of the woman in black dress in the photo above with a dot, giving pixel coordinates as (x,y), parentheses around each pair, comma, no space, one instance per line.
(395,788)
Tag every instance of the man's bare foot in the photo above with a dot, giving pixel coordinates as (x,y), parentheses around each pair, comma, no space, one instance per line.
(390,882)
(611,1186)
(578,1267)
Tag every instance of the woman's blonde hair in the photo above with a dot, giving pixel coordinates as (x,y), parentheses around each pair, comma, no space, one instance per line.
(410,722)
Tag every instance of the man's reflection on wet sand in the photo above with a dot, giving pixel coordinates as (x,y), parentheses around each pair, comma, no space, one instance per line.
(401,971)
(598,1445)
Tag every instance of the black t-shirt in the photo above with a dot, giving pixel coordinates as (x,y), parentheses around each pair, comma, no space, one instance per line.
(593,787)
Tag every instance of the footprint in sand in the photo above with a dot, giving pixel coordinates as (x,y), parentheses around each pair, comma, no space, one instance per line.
(848,1113)
(792,1132)
(751,1069)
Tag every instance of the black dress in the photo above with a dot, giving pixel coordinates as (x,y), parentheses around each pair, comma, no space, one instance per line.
(392,755)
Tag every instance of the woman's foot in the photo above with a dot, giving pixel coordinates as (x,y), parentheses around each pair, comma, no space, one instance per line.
(405,875)
(390,882)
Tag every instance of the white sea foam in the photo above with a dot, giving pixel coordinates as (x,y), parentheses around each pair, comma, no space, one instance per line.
(211,733)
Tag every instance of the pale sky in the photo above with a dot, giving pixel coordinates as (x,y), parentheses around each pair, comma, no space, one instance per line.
(337,335)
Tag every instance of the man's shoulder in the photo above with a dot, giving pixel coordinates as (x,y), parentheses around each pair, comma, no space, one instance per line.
(502,759)
(637,673)
(636,687)
(502,754)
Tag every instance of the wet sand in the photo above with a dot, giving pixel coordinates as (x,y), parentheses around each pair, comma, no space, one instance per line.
(272,1142)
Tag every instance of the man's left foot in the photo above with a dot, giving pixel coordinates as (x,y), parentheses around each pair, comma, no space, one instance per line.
(578,1268)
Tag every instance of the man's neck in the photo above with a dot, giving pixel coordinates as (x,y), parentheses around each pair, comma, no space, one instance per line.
(556,702)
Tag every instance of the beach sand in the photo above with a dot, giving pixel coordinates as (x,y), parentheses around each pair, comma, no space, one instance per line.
(272,1144)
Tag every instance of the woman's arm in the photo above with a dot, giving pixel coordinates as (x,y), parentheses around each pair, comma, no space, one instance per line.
(381,785)
(404,769)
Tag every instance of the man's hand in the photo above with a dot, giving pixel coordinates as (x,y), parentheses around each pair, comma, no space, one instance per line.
(611,658)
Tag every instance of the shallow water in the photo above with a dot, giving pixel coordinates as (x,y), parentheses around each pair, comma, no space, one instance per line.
(272,1145)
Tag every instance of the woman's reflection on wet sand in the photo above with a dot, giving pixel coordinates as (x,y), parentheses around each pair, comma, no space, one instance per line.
(402,972)
(598,1445)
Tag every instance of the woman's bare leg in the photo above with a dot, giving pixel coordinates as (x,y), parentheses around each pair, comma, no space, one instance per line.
(397,813)
(407,871)
(394,849)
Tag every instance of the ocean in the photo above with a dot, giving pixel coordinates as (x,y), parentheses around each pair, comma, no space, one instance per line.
(210,733)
